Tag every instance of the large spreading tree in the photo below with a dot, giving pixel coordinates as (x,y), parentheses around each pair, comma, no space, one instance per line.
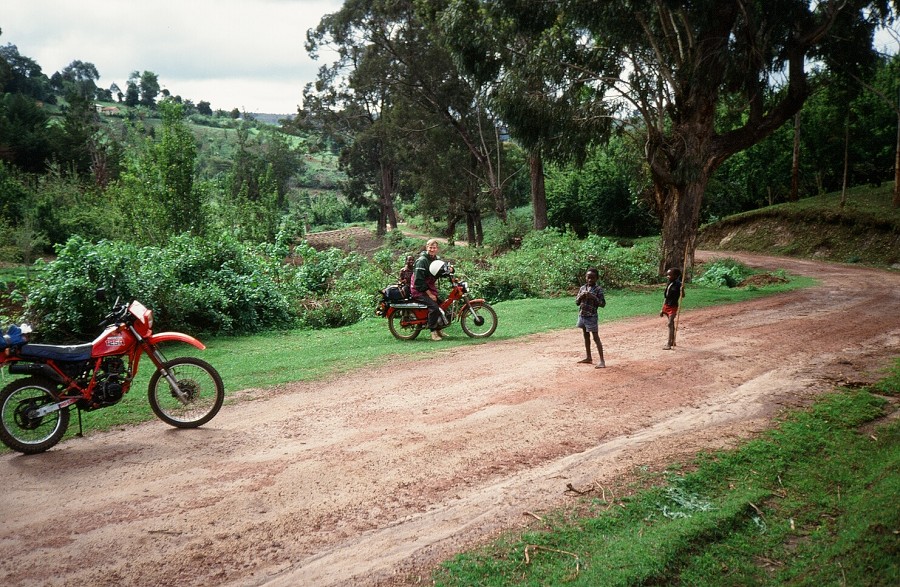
(389,56)
(701,80)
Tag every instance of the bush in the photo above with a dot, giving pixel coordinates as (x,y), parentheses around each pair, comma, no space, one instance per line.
(552,263)
(211,285)
(724,273)
(334,288)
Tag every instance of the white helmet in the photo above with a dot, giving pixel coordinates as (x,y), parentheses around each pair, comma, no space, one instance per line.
(439,268)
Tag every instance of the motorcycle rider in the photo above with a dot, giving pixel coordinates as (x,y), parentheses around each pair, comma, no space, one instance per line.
(424,289)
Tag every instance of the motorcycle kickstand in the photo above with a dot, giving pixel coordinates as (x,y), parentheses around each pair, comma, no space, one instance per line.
(80,429)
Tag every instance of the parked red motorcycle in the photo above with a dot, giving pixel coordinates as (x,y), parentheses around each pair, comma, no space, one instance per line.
(406,317)
(184,392)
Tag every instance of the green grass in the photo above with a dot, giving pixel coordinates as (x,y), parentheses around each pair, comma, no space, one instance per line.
(813,502)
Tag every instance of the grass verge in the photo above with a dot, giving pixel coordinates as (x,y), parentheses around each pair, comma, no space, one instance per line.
(812,502)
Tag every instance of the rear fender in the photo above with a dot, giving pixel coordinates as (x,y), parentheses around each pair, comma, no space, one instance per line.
(176,337)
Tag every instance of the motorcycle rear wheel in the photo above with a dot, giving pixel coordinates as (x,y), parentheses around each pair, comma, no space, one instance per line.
(31,435)
(475,313)
(395,324)
(199,381)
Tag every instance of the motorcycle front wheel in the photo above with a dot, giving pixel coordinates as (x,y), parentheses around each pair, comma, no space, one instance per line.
(201,386)
(22,432)
(478,320)
(401,331)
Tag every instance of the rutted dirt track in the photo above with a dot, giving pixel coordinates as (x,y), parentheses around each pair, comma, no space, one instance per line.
(371,478)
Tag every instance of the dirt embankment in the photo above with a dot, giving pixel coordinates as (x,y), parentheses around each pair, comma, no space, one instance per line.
(373,477)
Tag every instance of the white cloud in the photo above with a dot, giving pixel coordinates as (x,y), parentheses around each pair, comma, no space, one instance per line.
(246,54)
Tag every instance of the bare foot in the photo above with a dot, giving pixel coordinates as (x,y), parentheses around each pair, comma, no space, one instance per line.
(601,365)
(587,360)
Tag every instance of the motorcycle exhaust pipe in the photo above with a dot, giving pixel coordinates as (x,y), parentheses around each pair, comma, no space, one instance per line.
(34,369)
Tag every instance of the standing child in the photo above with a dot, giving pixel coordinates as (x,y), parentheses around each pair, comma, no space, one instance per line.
(589,298)
(673,297)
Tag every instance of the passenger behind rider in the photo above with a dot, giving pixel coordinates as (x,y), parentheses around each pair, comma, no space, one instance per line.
(423,287)
(404,282)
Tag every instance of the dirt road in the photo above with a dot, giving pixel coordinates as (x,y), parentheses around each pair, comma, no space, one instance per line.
(371,478)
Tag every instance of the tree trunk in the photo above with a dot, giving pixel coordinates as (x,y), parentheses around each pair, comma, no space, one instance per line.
(499,202)
(386,213)
(896,200)
(795,163)
(470,228)
(479,230)
(680,222)
(846,160)
(538,191)
(474,232)
(452,221)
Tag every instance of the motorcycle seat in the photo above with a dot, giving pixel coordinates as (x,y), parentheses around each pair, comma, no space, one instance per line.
(408,304)
(75,352)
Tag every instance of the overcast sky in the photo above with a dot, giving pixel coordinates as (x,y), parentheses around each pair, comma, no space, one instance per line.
(245,54)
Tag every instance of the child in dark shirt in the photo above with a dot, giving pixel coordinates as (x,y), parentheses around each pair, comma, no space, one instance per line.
(673,295)
(406,275)
(589,298)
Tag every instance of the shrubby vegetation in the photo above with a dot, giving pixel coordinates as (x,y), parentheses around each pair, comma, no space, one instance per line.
(724,273)
(552,263)
(226,286)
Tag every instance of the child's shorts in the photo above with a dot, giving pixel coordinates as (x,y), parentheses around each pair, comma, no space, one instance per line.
(589,323)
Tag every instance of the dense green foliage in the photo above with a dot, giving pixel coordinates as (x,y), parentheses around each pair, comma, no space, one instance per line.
(226,285)
(551,263)
(212,286)
(724,273)
(215,286)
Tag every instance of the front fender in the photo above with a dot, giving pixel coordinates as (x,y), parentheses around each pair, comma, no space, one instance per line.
(177,337)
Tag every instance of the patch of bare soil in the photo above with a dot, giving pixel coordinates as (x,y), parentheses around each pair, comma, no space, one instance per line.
(374,477)
(361,240)
(763,279)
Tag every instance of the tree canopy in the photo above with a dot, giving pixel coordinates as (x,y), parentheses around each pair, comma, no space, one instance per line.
(664,67)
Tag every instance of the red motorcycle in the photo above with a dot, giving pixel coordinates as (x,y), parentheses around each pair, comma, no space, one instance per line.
(407,317)
(184,392)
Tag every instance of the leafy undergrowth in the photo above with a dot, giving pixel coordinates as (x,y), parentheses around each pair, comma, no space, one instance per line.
(813,502)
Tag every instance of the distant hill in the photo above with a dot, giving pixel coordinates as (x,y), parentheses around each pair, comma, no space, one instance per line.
(272,118)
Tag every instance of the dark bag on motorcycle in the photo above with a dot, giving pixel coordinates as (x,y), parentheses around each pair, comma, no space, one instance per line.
(393,293)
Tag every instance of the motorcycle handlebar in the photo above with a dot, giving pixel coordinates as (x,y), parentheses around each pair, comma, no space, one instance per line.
(118,314)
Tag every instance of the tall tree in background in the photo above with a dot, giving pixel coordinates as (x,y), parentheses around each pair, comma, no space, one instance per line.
(672,62)
(22,75)
(142,88)
(80,78)
(542,108)
(416,66)
(352,103)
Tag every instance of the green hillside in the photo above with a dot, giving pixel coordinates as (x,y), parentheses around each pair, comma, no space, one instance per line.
(865,230)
